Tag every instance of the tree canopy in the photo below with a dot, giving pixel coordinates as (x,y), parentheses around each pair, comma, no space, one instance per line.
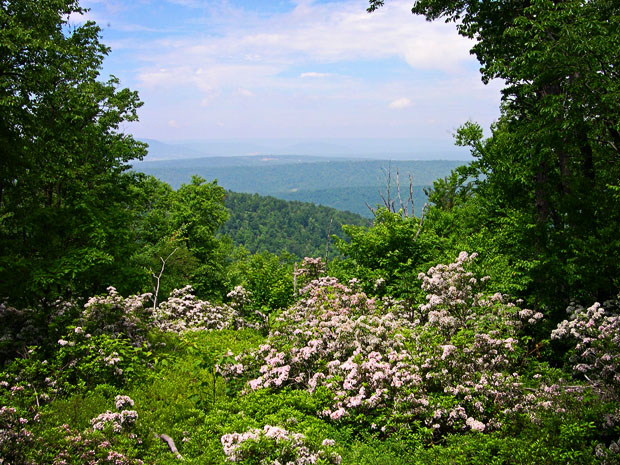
(62,187)
(550,171)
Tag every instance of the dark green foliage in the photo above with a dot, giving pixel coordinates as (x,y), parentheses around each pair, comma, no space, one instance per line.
(63,197)
(178,228)
(546,191)
(198,212)
(267,224)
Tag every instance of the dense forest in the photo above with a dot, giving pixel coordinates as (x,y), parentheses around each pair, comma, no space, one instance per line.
(483,330)
(266,224)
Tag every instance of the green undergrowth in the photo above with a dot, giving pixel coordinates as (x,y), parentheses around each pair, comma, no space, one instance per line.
(183,396)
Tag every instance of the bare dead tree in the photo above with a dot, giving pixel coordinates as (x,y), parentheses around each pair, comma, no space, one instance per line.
(158,276)
(421,222)
(406,209)
(411,192)
(400,200)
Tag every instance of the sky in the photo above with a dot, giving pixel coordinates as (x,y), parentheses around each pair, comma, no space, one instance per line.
(303,69)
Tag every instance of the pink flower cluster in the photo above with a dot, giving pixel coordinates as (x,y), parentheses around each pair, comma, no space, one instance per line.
(116,315)
(596,333)
(90,448)
(311,268)
(183,312)
(464,345)
(289,448)
(13,429)
(114,420)
(123,401)
(239,298)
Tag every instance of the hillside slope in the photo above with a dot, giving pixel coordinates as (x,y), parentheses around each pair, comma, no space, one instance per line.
(268,224)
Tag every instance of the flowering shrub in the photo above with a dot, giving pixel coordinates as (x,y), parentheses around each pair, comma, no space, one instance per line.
(15,437)
(115,315)
(82,358)
(453,368)
(116,420)
(183,312)
(311,268)
(240,298)
(596,333)
(18,329)
(130,317)
(96,445)
(242,301)
(80,362)
(23,328)
(275,446)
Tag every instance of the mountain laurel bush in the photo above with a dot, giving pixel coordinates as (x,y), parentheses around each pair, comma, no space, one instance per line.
(453,368)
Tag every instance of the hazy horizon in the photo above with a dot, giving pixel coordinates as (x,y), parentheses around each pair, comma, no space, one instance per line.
(363,148)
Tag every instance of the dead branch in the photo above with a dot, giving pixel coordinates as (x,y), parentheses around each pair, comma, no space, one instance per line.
(410,201)
(329,232)
(400,200)
(372,210)
(158,276)
(421,222)
(168,440)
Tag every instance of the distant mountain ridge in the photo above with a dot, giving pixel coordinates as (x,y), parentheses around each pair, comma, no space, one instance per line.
(366,148)
(344,183)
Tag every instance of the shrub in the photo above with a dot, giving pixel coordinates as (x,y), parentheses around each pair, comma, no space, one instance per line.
(276,445)
(453,368)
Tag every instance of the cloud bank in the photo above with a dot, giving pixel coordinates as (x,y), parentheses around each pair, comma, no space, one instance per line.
(223,69)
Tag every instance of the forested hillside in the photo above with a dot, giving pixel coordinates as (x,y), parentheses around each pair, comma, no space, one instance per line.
(483,331)
(267,224)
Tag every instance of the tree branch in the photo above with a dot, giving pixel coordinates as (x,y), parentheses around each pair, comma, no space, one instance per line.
(173,448)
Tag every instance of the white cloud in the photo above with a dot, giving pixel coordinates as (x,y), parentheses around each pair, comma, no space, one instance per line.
(281,60)
(245,93)
(400,103)
(173,124)
(322,33)
(314,75)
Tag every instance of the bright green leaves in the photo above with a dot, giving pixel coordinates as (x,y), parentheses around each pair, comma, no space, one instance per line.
(389,254)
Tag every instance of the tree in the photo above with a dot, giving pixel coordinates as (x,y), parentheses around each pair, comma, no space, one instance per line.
(389,254)
(184,222)
(550,167)
(198,212)
(267,277)
(64,195)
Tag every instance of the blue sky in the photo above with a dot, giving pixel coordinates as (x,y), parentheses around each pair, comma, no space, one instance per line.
(228,69)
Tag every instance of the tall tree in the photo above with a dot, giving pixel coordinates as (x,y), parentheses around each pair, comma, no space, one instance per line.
(63,193)
(553,159)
